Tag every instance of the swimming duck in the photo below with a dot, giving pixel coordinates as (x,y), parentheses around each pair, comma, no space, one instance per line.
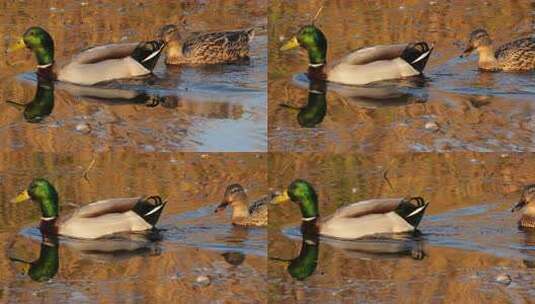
(527,206)
(95,220)
(205,48)
(518,55)
(242,214)
(357,220)
(92,65)
(363,66)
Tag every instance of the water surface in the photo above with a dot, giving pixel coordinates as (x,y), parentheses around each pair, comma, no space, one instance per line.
(213,108)
(193,241)
(467,238)
(454,107)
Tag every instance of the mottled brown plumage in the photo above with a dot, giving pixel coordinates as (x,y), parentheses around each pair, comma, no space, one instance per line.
(526,205)
(518,55)
(205,48)
(244,214)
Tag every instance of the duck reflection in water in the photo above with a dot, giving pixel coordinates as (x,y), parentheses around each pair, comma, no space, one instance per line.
(42,104)
(46,266)
(305,264)
(313,113)
(110,250)
(380,95)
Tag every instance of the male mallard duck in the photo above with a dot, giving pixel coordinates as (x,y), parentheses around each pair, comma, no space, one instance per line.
(205,48)
(518,55)
(364,65)
(365,218)
(93,65)
(95,220)
(527,206)
(242,213)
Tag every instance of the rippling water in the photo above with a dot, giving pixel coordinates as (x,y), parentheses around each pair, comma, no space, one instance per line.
(192,242)
(213,108)
(466,240)
(455,107)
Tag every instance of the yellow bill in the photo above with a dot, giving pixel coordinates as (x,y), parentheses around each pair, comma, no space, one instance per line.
(19,45)
(24,196)
(281,198)
(290,44)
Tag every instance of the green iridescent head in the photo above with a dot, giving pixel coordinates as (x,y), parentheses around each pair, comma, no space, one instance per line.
(311,39)
(42,192)
(302,193)
(40,42)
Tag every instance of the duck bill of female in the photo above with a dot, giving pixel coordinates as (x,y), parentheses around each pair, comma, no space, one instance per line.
(467,51)
(221,207)
(22,197)
(290,44)
(519,205)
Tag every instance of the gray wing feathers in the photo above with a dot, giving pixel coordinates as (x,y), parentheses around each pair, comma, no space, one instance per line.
(374,53)
(362,208)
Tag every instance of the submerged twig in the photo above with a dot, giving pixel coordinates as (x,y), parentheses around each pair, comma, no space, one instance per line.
(385,177)
(86,171)
(284,105)
(317,15)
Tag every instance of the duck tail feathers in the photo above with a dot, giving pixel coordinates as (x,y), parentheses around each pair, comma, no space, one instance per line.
(411,212)
(417,54)
(147,53)
(150,208)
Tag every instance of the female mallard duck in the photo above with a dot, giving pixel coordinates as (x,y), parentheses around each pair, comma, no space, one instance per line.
(527,206)
(205,48)
(364,65)
(365,218)
(242,213)
(95,220)
(93,65)
(518,55)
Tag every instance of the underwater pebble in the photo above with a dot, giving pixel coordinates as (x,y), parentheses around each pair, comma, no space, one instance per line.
(203,280)
(83,128)
(504,279)
(431,125)
(176,276)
